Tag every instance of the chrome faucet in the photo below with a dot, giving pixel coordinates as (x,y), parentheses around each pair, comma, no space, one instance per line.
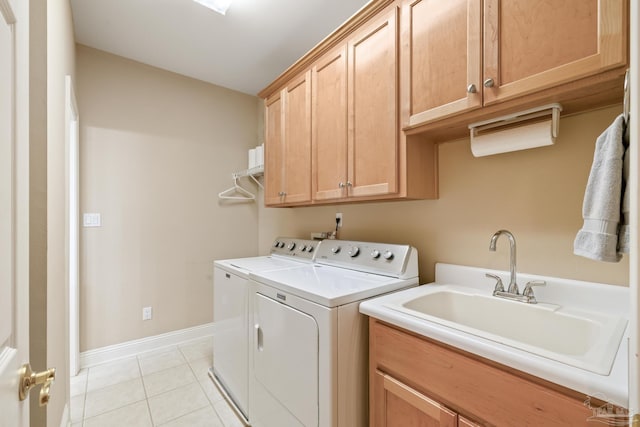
(512,292)
(513,286)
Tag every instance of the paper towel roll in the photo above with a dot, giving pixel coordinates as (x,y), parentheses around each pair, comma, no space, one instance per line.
(260,155)
(523,137)
(252,158)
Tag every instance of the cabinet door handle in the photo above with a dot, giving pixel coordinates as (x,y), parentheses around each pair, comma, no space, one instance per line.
(471,88)
(349,184)
(341,184)
(488,83)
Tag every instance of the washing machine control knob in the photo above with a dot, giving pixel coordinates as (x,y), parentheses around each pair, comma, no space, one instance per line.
(291,246)
(387,255)
(335,249)
(281,245)
(303,248)
(354,251)
(276,244)
(310,248)
(375,254)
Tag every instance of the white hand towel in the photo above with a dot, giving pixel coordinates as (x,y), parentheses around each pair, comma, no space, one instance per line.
(623,235)
(598,238)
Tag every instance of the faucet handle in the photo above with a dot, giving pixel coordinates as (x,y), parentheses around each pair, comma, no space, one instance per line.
(499,286)
(528,290)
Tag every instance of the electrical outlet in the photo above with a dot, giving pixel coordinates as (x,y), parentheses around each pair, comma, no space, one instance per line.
(339,219)
(147,313)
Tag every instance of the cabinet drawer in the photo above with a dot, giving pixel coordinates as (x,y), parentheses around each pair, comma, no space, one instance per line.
(469,386)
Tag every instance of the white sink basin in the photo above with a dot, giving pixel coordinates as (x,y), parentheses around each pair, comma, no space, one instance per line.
(584,339)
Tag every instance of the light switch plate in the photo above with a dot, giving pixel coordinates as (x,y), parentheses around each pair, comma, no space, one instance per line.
(91,220)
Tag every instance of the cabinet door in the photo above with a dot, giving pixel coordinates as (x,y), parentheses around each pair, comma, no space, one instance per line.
(534,45)
(463,422)
(403,407)
(329,126)
(297,140)
(273,150)
(373,108)
(441,65)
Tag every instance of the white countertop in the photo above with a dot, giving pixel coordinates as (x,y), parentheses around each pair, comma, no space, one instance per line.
(605,299)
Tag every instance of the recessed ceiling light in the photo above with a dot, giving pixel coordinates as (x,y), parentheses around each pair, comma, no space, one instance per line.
(219,6)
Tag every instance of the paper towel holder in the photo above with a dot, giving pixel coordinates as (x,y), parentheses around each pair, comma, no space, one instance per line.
(506,123)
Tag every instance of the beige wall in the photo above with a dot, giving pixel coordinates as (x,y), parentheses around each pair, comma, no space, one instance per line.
(60,62)
(155,150)
(537,194)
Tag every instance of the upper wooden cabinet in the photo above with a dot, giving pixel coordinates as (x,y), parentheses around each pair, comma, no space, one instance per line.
(373,107)
(288,144)
(274,150)
(358,149)
(441,61)
(530,46)
(357,118)
(456,59)
(354,120)
(329,126)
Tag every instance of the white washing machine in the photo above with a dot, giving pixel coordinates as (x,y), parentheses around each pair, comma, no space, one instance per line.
(310,343)
(232,310)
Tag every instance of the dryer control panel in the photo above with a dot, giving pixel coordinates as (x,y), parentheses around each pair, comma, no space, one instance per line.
(380,258)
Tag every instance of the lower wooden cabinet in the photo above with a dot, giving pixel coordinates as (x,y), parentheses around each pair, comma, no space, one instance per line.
(418,382)
(403,406)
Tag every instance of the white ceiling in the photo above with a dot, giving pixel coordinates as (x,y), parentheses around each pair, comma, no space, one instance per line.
(244,50)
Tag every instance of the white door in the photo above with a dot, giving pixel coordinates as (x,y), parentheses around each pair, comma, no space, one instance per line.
(73,224)
(14,338)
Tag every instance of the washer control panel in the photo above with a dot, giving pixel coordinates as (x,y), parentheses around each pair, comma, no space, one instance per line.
(288,246)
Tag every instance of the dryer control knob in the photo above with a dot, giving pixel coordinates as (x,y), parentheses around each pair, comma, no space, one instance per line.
(276,244)
(281,245)
(387,255)
(354,251)
(303,248)
(291,246)
(375,254)
(335,249)
(310,248)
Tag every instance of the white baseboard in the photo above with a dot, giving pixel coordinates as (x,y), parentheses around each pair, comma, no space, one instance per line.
(131,348)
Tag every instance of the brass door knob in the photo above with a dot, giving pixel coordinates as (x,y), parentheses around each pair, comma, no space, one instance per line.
(30,379)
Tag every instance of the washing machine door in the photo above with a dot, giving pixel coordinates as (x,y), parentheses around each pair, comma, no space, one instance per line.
(285,364)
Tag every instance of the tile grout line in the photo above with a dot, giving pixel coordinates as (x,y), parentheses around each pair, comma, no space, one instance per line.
(144,389)
(84,399)
(195,374)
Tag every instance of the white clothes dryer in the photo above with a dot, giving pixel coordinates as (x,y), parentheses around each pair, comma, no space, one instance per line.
(310,343)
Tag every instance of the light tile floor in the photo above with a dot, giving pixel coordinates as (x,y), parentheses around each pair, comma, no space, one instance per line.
(169,387)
